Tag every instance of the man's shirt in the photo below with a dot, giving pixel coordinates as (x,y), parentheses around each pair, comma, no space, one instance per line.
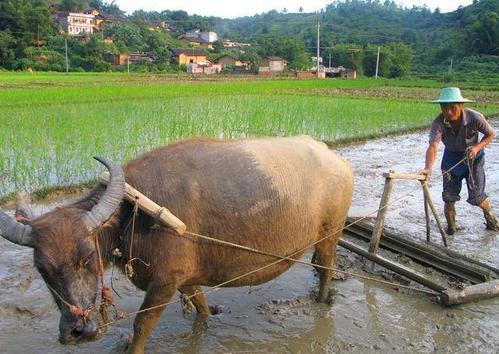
(472,123)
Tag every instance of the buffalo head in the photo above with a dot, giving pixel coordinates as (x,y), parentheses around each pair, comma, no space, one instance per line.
(63,241)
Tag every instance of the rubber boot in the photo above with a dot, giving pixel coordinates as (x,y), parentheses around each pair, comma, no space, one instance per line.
(450,216)
(490,218)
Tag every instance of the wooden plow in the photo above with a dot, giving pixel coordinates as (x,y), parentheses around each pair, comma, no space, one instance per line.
(484,279)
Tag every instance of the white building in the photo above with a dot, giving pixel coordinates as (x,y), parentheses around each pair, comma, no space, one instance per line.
(206,36)
(76,24)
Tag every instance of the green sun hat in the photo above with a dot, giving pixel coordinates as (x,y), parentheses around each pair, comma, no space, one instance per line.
(451,95)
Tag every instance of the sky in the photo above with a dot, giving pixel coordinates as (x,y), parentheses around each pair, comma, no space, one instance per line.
(239,8)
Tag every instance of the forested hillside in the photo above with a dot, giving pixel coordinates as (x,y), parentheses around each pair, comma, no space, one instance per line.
(435,38)
(413,41)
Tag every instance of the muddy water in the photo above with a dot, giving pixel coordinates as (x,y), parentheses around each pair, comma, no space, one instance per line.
(280,316)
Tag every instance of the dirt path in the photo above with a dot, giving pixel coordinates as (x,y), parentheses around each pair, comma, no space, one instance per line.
(280,316)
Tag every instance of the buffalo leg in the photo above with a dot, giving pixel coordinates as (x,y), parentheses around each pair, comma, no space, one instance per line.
(324,256)
(147,320)
(197,297)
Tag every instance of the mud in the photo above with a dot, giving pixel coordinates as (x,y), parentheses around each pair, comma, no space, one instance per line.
(281,316)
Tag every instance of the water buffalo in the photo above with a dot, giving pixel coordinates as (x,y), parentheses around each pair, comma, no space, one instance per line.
(278,195)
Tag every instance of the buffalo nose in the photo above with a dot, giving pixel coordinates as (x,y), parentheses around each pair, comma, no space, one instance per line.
(82,331)
(78,328)
(90,331)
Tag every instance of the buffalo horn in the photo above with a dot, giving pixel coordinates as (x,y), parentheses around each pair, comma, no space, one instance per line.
(14,231)
(111,198)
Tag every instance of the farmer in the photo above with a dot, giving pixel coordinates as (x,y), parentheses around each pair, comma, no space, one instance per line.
(458,127)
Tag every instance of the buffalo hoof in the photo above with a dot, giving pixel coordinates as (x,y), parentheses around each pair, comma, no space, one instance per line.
(215,309)
(328,299)
(123,344)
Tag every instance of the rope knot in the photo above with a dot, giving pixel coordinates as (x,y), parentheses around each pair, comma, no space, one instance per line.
(78,311)
(106,301)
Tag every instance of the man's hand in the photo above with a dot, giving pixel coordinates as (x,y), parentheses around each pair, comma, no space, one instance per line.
(473,151)
(426,172)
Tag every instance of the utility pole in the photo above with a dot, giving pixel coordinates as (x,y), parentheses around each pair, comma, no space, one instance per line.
(450,67)
(318,46)
(377,64)
(66,50)
(128,62)
(329,60)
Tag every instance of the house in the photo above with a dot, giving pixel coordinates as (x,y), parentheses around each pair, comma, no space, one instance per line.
(271,65)
(100,21)
(232,62)
(340,71)
(207,36)
(160,25)
(198,38)
(196,42)
(314,62)
(349,74)
(129,58)
(309,75)
(76,24)
(189,55)
(227,43)
(204,68)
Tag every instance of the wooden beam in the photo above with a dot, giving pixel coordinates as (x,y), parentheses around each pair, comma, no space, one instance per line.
(471,293)
(148,206)
(396,267)
(380,219)
(413,176)
(434,211)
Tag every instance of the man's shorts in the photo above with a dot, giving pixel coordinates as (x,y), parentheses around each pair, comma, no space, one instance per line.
(475,182)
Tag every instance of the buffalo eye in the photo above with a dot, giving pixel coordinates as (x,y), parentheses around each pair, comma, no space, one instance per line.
(87,260)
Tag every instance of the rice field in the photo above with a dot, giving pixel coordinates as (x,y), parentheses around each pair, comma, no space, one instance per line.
(52,124)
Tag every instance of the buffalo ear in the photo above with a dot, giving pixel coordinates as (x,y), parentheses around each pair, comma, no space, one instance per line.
(14,231)
(23,213)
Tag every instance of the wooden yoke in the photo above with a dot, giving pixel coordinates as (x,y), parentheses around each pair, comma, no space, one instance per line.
(148,206)
(385,200)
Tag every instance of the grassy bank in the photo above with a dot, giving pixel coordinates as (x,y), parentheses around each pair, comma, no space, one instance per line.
(51,128)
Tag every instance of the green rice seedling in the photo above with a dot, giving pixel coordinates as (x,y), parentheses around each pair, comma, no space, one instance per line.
(49,134)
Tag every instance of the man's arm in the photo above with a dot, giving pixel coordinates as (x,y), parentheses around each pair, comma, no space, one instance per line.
(431,156)
(489,134)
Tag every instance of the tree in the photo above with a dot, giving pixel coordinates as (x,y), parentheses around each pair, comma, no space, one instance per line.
(286,47)
(72,5)
(28,22)
(251,56)
(483,36)
(127,36)
(401,57)
(7,52)
(370,59)
(218,46)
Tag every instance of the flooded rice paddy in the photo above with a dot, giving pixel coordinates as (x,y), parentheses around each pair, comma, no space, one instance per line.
(280,316)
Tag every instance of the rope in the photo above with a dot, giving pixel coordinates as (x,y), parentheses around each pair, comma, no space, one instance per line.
(124,315)
(75,310)
(470,162)
(303,262)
